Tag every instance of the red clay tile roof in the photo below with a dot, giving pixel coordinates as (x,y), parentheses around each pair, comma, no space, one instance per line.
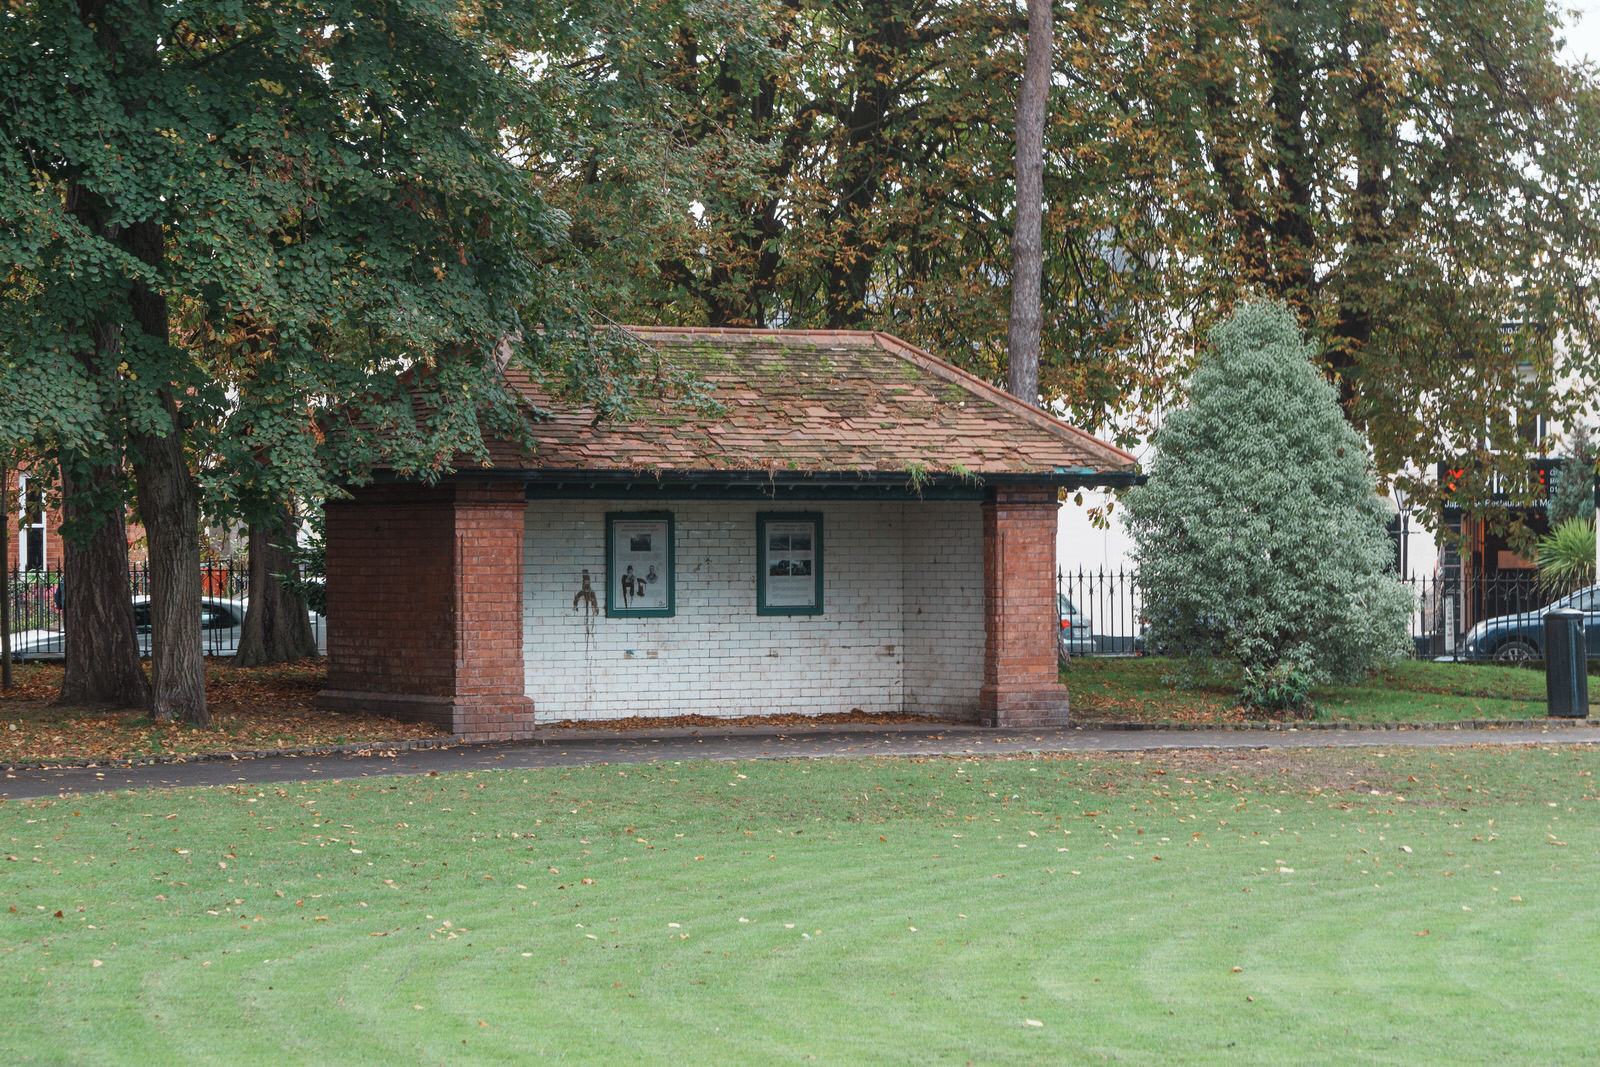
(816,401)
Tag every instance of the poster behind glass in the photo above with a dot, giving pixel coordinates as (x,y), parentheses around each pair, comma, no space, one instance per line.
(791,561)
(641,566)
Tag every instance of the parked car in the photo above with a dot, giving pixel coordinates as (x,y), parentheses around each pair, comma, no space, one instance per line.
(1076,637)
(220,623)
(1520,637)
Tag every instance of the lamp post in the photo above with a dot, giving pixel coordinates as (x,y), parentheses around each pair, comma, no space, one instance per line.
(1404,530)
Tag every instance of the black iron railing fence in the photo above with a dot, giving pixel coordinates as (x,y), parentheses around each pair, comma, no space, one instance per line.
(1446,607)
(35,599)
(1107,604)
(37,595)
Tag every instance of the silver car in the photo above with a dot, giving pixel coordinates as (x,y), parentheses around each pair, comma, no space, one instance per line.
(220,623)
(1076,636)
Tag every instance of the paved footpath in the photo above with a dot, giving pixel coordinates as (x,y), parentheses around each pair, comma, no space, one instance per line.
(581,748)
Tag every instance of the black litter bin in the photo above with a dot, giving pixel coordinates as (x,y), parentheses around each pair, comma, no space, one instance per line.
(1566,665)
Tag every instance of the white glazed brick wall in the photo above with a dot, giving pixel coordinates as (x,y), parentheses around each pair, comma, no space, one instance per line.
(902,627)
(943,576)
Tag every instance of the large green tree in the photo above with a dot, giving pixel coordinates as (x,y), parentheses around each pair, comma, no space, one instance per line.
(1413,180)
(325,179)
(815,163)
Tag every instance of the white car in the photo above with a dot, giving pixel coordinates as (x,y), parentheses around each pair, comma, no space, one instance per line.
(220,623)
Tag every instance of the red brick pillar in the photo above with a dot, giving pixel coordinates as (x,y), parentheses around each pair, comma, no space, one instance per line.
(425,607)
(1021,685)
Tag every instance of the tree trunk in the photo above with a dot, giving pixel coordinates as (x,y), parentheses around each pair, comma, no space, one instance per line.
(865,159)
(169,505)
(276,628)
(1027,239)
(102,651)
(97,601)
(5,577)
(1294,237)
(1370,208)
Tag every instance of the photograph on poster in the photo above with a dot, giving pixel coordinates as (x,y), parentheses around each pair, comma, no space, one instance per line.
(789,563)
(640,568)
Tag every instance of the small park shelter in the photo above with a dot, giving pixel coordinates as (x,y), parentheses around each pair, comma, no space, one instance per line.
(855,526)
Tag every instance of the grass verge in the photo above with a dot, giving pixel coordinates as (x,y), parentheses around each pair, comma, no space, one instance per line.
(1155,689)
(1321,906)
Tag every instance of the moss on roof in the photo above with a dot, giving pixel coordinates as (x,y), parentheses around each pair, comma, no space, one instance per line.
(816,401)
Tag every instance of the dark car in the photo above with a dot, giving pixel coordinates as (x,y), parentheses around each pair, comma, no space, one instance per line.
(1520,637)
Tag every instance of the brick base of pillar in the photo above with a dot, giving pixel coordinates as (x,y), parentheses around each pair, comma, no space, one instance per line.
(499,718)
(1022,707)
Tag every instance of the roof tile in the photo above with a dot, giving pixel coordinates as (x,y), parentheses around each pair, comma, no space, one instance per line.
(825,401)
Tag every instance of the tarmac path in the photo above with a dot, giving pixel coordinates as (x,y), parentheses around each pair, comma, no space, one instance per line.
(582,748)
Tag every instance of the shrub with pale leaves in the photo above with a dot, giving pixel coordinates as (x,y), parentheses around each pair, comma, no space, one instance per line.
(1259,537)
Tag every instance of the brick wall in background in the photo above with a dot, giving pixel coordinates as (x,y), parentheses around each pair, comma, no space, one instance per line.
(36,546)
(27,550)
(902,628)
(390,602)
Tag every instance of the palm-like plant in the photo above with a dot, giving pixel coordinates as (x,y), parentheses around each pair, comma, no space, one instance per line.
(1566,556)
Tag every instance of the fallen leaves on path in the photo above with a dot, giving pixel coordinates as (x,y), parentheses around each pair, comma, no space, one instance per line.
(252,709)
(270,709)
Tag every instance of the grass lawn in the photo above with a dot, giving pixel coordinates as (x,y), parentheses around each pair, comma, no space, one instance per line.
(1317,906)
(1150,689)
